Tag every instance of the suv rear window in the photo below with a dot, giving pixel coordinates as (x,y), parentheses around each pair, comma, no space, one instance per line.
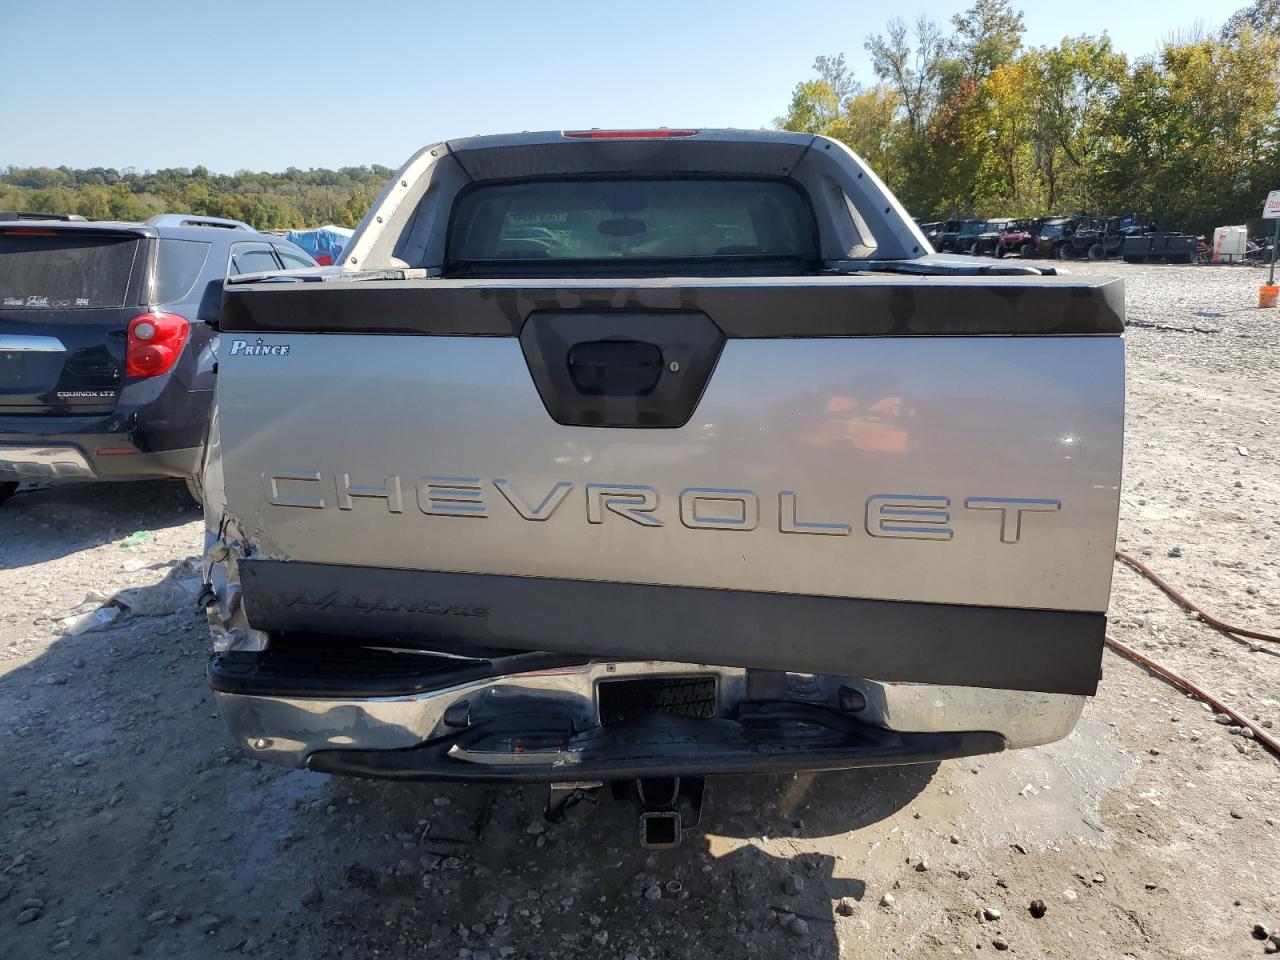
(640,221)
(56,270)
(178,265)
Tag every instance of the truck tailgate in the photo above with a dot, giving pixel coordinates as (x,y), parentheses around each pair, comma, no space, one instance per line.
(899,478)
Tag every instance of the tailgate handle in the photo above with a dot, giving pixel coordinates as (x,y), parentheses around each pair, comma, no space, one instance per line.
(615,368)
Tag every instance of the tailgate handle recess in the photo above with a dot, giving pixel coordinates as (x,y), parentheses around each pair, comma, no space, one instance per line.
(615,368)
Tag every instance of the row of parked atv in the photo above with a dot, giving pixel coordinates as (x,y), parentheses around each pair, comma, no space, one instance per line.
(1132,237)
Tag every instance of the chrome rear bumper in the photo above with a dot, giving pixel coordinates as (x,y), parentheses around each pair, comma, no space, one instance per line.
(289,729)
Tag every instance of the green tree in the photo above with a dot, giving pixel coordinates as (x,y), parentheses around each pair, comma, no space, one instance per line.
(988,35)
(295,198)
(1073,88)
(1261,16)
(356,206)
(1194,134)
(94,202)
(971,123)
(912,71)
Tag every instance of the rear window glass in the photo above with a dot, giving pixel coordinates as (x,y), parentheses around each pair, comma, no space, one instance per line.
(255,259)
(293,259)
(64,271)
(631,220)
(178,266)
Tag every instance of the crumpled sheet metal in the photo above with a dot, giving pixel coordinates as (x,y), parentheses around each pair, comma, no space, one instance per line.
(228,624)
(224,545)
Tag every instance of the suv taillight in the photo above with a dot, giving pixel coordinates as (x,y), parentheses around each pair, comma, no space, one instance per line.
(155,342)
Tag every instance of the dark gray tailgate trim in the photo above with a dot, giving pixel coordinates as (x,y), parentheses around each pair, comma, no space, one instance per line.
(1043,650)
(879,306)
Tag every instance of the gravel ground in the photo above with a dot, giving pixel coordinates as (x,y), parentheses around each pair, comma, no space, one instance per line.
(132,828)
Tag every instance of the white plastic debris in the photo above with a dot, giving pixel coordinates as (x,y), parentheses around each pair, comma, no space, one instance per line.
(93,620)
(175,592)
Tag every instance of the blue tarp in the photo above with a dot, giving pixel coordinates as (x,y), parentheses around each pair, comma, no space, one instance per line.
(324,243)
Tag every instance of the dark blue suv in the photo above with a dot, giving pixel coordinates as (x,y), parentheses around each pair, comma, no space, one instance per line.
(106,362)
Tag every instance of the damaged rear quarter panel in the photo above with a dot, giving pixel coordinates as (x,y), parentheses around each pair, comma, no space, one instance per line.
(225,544)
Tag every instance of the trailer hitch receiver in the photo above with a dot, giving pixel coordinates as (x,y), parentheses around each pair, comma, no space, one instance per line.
(667,805)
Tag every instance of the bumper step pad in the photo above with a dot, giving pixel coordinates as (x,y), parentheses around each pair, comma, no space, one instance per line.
(765,738)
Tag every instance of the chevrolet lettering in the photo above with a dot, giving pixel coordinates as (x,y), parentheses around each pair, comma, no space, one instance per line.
(885,515)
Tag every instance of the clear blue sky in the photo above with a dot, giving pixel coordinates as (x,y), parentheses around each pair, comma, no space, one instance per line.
(266,85)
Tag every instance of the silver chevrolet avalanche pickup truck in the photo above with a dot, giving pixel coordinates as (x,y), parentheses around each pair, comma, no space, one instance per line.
(631,457)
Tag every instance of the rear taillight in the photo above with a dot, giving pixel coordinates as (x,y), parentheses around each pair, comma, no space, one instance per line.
(661,133)
(155,341)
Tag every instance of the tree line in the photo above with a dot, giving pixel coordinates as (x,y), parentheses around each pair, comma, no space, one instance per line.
(268,201)
(968,121)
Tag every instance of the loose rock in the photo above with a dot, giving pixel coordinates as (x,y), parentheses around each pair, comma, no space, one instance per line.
(797,926)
